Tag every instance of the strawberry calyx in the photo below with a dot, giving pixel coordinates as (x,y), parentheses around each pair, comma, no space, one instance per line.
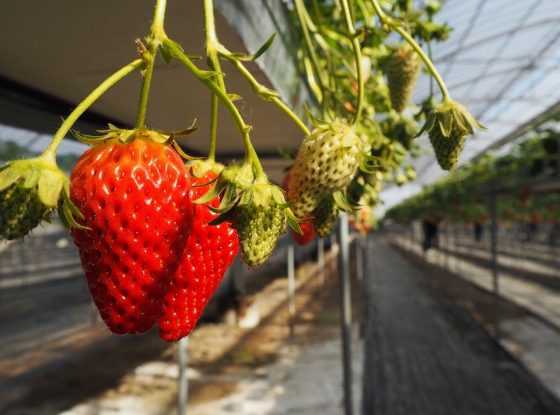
(256,208)
(201,168)
(30,190)
(114,134)
(451,119)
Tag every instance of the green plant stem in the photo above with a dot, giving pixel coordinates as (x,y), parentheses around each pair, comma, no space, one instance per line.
(149,62)
(357,56)
(389,22)
(207,79)
(267,94)
(157,33)
(214,112)
(88,102)
(302,17)
(213,57)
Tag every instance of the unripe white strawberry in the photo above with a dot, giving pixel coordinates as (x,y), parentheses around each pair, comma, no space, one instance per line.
(403,69)
(327,161)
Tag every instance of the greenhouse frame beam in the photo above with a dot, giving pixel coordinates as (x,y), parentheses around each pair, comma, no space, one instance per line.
(447,57)
(466,35)
(523,129)
(519,74)
(506,41)
(30,97)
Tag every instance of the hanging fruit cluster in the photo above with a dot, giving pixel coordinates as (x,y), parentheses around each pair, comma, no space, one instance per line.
(157,229)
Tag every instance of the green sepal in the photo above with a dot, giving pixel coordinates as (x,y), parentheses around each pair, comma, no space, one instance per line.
(212,181)
(50,184)
(211,194)
(182,153)
(370,164)
(68,212)
(293,223)
(341,201)
(227,216)
(8,177)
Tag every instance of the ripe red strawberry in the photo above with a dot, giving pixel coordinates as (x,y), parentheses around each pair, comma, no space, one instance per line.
(307,233)
(209,251)
(135,197)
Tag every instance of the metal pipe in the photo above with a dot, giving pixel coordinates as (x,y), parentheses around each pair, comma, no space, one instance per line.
(494,251)
(321,258)
(291,286)
(183,381)
(346,310)
(494,244)
(359,259)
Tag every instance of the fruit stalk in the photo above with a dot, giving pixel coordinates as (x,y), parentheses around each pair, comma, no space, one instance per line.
(392,24)
(357,56)
(157,34)
(267,94)
(301,13)
(50,151)
(212,53)
(206,78)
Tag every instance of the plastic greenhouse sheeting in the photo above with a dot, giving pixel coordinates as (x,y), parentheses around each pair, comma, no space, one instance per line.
(502,61)
(256,21)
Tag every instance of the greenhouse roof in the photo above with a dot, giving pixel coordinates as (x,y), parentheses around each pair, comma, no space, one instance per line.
(502,61)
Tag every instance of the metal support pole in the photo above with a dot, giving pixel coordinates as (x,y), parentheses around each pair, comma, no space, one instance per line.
(183,381)
(291,286)
(346,310)
(494,244)
(359,259)
(321,258)
(332,267)
(494,249)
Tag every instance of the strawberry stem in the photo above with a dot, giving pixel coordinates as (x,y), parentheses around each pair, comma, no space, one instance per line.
(394,25)
(212,53)
(206,78)
(87,103)
(357,57)
(301,13)
(267,94)
(157,34)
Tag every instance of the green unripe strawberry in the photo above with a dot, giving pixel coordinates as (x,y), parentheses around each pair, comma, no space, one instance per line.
(326,162)
(256,208)
(447,149)
(448,126)
(30,190)
(259,228)
(402,70)
(21,211)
